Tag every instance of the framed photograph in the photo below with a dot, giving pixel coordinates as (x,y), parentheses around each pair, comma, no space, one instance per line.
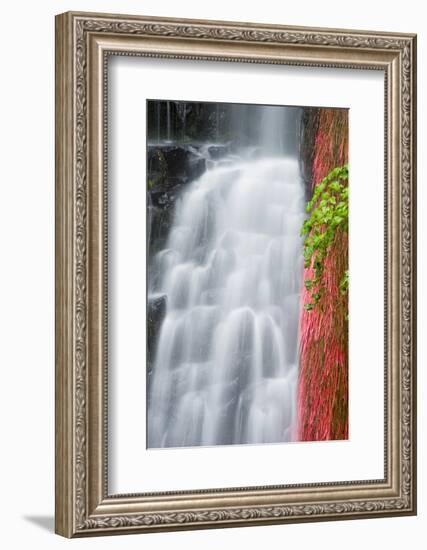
(235,274)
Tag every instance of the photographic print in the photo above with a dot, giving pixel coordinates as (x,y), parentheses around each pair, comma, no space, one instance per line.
(247,298)
(203,274)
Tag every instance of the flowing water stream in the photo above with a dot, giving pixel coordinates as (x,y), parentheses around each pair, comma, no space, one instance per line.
(226,366)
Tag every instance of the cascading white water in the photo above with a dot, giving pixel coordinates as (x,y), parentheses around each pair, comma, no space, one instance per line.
(226,366)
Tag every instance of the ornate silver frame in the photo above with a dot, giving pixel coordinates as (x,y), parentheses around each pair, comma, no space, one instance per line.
(83,42)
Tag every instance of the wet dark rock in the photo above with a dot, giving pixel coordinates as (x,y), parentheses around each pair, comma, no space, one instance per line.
(165,198)
(159,223)
(170,168)
(309,125)
(169,164)
(218,151)
(156,309)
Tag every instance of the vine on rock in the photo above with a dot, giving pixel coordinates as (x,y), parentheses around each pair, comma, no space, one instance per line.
(328,209)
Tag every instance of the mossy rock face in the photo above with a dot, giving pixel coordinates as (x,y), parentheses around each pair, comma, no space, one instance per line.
(156,168)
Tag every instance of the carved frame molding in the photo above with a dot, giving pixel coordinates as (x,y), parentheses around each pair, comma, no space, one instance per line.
(83,43)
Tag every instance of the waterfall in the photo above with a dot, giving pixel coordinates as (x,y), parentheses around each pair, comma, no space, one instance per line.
(226,366)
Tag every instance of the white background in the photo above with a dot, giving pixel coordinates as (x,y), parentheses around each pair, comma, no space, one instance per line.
(27,245)
(132,80)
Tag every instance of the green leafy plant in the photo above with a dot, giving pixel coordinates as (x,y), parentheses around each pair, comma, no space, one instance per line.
(344,283)
(328,209)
